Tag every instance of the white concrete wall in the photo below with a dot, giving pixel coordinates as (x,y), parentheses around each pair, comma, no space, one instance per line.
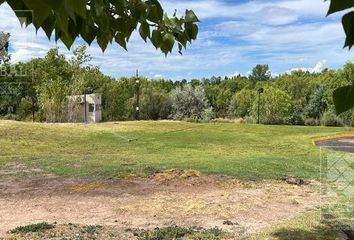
(91,99)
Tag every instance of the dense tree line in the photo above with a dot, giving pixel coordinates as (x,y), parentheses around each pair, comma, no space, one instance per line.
(38,90)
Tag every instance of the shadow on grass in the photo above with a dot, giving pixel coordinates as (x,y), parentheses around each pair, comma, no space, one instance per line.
(322,232)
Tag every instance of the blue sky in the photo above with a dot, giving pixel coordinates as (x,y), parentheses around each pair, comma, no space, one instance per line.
(234,36)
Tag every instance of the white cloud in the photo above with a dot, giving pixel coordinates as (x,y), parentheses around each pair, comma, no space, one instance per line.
(289,10)
(316,69)
(158,76)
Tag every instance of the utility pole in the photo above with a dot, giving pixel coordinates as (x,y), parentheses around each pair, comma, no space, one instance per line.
(85,102)
(260,91)
(137,109)
(88,90)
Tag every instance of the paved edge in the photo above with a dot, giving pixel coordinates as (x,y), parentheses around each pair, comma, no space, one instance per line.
(333,137)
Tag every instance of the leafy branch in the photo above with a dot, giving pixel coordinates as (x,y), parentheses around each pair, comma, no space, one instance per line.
(107,21)
(344,96)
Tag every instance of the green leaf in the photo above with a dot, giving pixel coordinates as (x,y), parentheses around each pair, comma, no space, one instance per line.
(48,26)
(55,4)
(120,39)
(62,20)
(79,6)
(40,9)
(103,38)
(167,21)
(119,25)
(191,17)
(98,7)
(144,30)
(182,39)
(88,32)
(119,5)
(168,42)
(339,5)
(177,23)
(156,38)
(155,11)
(348,26)
(143,10)
(343,99)
(191,31)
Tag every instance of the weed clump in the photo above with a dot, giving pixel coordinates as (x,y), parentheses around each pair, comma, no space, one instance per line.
(178,233)
(38,227)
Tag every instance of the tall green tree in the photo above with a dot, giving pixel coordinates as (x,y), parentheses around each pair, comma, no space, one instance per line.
(317,104)
(275,106)
(242,101)
(260,73)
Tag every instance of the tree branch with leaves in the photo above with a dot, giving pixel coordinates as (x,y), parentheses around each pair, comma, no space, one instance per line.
(107,21)
(344,97)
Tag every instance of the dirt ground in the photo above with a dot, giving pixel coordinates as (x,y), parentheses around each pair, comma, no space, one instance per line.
(182,198)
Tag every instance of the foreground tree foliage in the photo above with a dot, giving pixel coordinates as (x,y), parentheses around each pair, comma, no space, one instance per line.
(107,21)
(344,96)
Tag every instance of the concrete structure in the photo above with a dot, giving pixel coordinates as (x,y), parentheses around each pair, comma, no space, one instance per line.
(85,108)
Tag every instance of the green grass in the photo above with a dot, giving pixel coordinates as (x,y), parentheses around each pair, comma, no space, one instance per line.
(120,149)
(179,233)
(38,227)
(304,227)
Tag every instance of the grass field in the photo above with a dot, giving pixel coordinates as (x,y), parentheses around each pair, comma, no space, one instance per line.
(139,148)
(113,150)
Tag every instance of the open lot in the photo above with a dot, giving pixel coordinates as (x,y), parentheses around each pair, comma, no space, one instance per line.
(118,175)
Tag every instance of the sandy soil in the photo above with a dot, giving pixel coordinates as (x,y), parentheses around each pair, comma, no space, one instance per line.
(183,198)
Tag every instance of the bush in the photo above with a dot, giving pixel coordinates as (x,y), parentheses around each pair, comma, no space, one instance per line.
(329,119)
(176,232)
(11,116)
(38,227)
(189,102)
(312,122)
(241,103)
(250,120)
(226,120)
(154,104)
(24,109)
(275,107)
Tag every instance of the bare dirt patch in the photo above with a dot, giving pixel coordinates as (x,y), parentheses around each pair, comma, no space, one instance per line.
(174,197)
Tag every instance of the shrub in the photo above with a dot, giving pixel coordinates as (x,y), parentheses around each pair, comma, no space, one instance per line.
(329,119)
(226,120)
(241,103)
(275,107)
(189,102)
(38,227)
(250,120)
(317,103)
(11,116)
(312,122)
(24,109)
(176,232)
(155,104)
